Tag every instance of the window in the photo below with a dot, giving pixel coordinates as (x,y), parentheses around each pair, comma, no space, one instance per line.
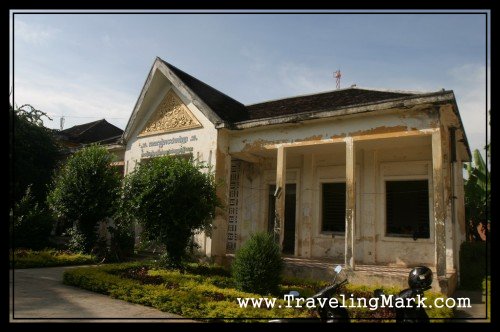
(333,209)
(407,208)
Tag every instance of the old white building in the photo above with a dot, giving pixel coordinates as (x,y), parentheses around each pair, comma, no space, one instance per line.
(359,176)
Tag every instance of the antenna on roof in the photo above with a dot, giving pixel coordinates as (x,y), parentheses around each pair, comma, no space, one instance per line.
(61,122)
(337,76)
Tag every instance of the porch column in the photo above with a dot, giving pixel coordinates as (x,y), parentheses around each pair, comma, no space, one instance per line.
(350,206)
(218,241)
(438,203)
(279,221)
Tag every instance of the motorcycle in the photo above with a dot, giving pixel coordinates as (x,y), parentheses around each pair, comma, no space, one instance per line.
(419,280)
(326,313)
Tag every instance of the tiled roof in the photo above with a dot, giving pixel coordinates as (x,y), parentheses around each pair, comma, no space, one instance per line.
(96,131)
(231,110)
(320,102)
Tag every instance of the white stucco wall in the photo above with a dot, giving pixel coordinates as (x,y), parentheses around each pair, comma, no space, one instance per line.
(200,142)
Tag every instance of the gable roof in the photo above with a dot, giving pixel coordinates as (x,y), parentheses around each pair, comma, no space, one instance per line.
(92,132)
(227,108)
(226,112)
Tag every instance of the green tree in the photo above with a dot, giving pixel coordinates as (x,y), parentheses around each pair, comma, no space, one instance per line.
(85,192)
(258,265)
(35,153)
(32,224)
(477,194)
(172,199)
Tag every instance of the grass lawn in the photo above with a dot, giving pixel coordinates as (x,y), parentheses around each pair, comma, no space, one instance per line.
(207,292)
(49,257)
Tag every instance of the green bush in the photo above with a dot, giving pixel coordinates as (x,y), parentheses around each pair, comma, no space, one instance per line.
(36,153)
(122,241)
(473,267)
(85,192)
(32,224)
(207,292)
(258,265)
(172,199)
(22,259)
(186,294)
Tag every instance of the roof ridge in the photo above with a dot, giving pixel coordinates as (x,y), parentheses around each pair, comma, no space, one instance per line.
(352,87)
(208,85)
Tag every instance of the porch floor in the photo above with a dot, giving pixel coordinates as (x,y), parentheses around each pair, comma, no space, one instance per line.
(363,274)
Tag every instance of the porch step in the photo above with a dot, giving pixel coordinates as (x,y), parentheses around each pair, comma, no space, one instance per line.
(374,275)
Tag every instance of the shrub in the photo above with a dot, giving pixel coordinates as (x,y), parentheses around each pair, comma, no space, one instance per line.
(85,192)
(257,266)
(172,200)
(32,224)
(22,259)
(206,292)
(35,153)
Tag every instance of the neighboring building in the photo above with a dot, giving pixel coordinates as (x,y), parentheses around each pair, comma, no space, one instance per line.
(364,176)
(100,132)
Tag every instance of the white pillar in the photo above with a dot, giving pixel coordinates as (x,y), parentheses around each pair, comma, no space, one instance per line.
(280,198)
(350,212)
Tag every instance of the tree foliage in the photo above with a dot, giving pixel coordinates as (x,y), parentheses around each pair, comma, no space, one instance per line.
(258,265)
(35,153)
(85,192)
(477,194)
(32,224)
(172,199)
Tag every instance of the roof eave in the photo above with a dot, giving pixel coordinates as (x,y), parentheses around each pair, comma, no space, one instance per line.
(465,141)
(434,97)
(127,132)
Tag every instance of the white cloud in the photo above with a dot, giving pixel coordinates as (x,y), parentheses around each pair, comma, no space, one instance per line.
(32,33)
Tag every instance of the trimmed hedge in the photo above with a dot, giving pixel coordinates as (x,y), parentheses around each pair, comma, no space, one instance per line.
(207,292)
(186,294)
(45,258)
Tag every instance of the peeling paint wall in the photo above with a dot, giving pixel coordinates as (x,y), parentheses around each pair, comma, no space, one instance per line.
(327,130)
(378,159)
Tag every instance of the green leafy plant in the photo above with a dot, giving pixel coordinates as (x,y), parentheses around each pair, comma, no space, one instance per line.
(207,292)
(85,191)
(23,258)
(477,195)
(32,224)
(172,199)
(36,153)
(257,266)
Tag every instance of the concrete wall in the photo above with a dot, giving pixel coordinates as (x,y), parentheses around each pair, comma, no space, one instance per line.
(377,160)
(200,142)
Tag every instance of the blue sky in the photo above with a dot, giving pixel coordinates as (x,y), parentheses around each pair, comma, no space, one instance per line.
(89,67)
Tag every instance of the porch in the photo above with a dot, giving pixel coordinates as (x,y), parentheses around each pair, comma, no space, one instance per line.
(364,274)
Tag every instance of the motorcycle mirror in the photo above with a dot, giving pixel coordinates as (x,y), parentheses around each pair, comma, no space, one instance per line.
(294,293)
(337,269)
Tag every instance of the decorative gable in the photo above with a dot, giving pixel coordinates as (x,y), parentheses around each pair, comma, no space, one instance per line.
(171,115)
